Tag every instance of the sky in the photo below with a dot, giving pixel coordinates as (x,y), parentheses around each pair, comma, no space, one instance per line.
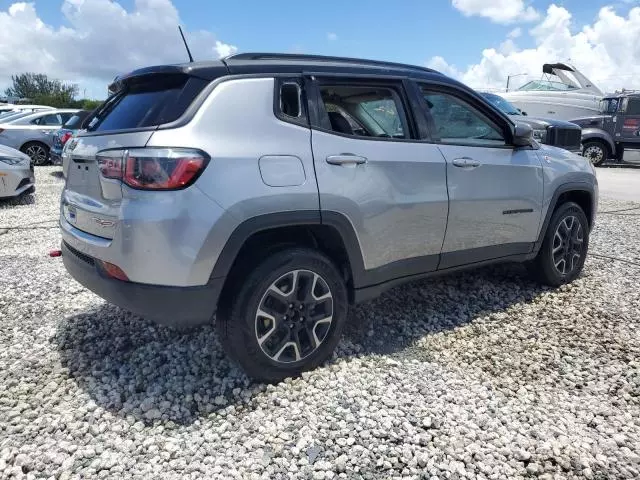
(481,42)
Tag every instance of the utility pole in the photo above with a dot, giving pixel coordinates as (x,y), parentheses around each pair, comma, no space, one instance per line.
(509,77)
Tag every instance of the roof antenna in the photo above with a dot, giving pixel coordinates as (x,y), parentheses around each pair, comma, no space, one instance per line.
(185,44)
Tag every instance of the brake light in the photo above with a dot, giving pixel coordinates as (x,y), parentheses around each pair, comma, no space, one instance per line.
(153,168)
(65,136)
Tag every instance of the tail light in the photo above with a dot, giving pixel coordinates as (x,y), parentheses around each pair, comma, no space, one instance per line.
(153,168)
(65,136)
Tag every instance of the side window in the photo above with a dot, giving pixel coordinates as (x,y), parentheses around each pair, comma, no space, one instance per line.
(37,121)
(51,120)
(65,117)
(364,111)
(289,101)
(633,107)
(460,123)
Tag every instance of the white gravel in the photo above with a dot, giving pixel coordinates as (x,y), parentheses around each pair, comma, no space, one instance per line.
(478,375)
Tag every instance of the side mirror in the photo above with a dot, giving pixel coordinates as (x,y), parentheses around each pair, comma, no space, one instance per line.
(522,135)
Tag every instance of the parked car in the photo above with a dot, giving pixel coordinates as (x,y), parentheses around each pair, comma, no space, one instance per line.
(61,136)
(273,198)
(7,108)
(16,173)
(545,130)
(616,129)
(32,134)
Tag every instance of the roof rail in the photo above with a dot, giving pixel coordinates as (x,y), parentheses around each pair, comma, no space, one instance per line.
(323,58)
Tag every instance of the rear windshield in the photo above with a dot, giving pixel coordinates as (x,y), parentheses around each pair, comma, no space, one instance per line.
(76,121)
(148,103)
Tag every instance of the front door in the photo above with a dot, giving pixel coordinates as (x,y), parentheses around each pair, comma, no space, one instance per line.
(374,172)
(629,123)
(495,190)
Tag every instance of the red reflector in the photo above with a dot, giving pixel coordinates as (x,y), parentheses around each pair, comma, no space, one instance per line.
(55,253)
(114,271)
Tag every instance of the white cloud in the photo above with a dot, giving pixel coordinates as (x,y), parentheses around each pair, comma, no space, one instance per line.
(515,33)
(606,51)
(100,40)
(499,11)
(332,37)
(224,49)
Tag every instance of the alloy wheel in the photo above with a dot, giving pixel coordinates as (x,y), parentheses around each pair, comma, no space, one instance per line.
(294,316)
(37,153)
(568,245)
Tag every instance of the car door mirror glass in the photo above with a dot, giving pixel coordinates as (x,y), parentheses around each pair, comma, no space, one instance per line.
(522,135)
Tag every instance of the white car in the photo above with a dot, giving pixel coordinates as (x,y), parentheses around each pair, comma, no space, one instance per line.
(16,173)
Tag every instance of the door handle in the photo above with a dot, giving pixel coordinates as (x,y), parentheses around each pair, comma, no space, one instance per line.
(346,159)
(465,162)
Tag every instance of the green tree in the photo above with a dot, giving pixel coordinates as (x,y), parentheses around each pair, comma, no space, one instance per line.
(39,88)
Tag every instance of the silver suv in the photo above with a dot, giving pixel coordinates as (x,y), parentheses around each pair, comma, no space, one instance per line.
(272,191)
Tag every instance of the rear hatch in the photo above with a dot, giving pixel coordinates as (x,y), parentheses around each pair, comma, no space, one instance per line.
(125,121)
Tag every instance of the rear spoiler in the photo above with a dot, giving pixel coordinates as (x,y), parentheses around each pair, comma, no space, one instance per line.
(204,70)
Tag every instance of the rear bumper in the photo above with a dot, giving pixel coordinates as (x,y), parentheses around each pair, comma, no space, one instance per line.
(171,306)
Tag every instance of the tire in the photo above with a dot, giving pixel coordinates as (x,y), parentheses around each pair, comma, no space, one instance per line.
(270,340)
(564,248)
(38,152)
(596,151)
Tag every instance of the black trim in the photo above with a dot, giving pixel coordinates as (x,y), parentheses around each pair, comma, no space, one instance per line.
(257,224)
(369,293)
(564,188)
(518,210)
(172,306)
(482,254)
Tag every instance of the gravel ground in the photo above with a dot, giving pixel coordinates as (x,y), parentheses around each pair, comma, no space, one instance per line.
(477,375)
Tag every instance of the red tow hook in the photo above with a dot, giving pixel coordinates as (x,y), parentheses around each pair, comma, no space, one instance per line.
(55,253)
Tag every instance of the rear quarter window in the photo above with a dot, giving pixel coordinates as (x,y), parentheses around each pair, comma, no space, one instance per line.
(148,103)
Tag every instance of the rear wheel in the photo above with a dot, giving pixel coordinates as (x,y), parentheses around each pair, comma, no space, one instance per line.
(38,152)
(596,151)
(564,248)
(286,316)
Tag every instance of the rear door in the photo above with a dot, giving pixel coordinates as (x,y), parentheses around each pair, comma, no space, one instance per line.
(376,175)
(495,190)
(126,120)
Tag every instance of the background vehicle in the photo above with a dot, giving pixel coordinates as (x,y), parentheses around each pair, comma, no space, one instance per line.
(10,108)
(334,180)
(61,136)
(32,134)
(614,130)
(16,173)
(563,93)
(545,130)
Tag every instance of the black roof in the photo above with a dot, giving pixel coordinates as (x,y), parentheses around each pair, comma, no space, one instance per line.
(279,63)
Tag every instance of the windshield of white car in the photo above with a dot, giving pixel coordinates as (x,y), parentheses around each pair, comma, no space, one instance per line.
(545,85)
(502,104)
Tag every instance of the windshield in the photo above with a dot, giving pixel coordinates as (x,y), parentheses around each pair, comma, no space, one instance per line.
(75,122)
(502,104)
(609,105)
(545,85)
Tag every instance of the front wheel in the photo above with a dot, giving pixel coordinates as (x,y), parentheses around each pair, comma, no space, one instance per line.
(596,152)
(38,152)
(564,248)
(286,316)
